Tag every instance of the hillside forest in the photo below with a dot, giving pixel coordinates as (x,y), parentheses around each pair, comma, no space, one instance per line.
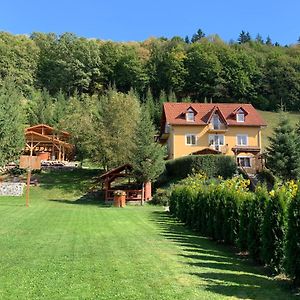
(81,84)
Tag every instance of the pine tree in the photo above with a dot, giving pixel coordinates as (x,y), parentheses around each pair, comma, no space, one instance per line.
(59,108)
(268,41)
(172,96)
(40,110)
(187,40)
(159,108)
(292,250)
(244,37)
(11,122)
(147,159)
(259,39)
(283,154)
(197,36)
(150,105)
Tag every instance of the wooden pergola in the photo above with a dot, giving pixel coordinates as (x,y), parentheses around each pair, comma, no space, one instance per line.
(124,171)
(48,143)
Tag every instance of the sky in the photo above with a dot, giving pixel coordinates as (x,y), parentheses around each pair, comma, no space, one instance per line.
(133,20)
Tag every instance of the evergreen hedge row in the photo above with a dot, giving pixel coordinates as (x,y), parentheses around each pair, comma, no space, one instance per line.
(211,165)
(267,225)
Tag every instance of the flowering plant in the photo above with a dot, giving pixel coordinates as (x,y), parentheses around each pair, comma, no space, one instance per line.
(119,193)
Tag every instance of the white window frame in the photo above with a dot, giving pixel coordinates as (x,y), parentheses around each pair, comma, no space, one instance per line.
(190,116)
(190,135)
(211,137)
(241,135)
(240,116)
(250,163)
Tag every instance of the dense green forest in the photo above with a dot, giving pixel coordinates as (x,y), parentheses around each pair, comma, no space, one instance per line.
(98,90)
(247,70)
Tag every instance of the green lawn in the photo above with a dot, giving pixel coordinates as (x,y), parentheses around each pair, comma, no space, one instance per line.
(272,119)
(65,246)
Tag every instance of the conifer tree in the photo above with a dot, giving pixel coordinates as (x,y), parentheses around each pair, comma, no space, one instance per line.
(273,232)
(147,159)
(11,122)
(197,36)
(282,153)
(244,37)
(268,41)
(254,234)
(172,96)
(59,108)
(150,105)
(159,108)
(259,39)
(293,239)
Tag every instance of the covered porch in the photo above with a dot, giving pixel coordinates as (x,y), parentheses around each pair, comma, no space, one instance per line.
(134,192)
(249,158)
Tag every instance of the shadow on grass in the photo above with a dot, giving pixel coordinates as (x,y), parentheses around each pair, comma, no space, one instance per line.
(77,180)
(90,198)
(222,271)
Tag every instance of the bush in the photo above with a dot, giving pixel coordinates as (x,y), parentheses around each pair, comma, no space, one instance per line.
(161,197)
(226,211)
(293,240)
(267,177)
(244,223)
(273,231)
(256,216)
(211,165)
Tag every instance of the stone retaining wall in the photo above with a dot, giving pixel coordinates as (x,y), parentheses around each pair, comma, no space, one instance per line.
(11,188)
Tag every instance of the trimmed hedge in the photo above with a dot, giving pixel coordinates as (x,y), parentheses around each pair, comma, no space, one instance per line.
(292,248)
(255,222)
(211,165)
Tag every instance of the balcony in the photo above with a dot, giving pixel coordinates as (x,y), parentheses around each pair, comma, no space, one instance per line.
(217,128)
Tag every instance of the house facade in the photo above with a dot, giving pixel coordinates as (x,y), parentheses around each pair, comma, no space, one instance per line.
(207,128)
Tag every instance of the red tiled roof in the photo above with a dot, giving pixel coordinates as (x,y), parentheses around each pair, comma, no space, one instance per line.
(174,113)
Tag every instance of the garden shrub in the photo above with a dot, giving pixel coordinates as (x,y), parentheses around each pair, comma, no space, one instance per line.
(161,197)
(256,216)
(211,165)
(273,231)
(244,223)
(226,211)
(292,250)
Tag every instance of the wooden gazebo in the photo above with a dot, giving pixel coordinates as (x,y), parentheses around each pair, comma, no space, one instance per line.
(124,171)
(48,143)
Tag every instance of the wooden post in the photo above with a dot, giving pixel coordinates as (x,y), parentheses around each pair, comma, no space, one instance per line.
(143,194)
(28,186)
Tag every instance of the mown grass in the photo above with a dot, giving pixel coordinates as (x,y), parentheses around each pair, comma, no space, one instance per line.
(272,119)
(67,246)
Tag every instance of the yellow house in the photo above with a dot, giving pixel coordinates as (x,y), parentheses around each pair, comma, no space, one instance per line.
(213,128)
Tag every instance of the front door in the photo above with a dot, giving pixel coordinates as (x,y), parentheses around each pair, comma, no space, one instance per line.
(216,141)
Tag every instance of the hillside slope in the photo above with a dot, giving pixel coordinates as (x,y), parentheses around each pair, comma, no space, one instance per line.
(272,119)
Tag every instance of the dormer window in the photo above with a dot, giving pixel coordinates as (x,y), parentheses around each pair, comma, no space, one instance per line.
(240,116)
(190,115)
(216,123)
